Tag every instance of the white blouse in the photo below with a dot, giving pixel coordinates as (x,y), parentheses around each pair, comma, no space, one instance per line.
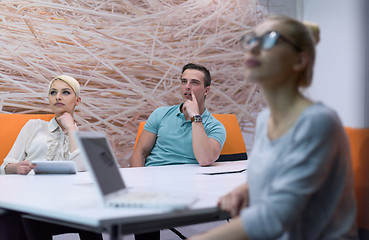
(42,140)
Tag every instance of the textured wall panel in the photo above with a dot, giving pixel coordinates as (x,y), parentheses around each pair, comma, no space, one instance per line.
(127,55)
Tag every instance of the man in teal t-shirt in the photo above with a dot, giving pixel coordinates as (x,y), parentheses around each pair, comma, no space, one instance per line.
(182,134)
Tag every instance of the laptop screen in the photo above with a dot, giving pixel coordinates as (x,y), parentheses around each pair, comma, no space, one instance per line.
(102,163)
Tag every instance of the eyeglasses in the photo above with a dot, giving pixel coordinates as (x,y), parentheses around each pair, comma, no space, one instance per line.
(266,41)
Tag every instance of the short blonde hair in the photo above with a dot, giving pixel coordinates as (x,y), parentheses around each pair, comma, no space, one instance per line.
(70,81)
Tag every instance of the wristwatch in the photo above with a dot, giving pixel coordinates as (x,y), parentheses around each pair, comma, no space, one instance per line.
(196,118)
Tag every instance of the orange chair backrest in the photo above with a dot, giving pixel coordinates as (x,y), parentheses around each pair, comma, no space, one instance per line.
(11,124)
(234,146)
(359,145)
(139,131)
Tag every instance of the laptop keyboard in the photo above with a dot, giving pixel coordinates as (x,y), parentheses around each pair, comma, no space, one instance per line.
(152,200)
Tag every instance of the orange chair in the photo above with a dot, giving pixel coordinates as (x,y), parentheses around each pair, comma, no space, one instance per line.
(139,131)
(359,145)
(234,146)
(11,124)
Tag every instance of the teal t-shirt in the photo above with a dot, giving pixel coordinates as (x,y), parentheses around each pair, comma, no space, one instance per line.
(174,136)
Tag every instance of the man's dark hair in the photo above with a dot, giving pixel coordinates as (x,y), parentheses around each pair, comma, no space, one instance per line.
(207,77)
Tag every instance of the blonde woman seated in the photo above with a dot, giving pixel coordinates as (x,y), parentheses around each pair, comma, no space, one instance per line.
(300,183)
(49,141)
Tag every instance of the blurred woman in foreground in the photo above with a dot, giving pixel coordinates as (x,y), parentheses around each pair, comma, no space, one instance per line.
(300,183)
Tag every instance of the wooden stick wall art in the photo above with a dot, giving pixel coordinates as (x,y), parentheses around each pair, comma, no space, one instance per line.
(127,55)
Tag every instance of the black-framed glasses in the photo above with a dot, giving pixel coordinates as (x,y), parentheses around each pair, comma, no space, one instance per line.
(266,41)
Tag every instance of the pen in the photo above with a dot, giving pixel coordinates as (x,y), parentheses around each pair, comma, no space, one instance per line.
(218,173)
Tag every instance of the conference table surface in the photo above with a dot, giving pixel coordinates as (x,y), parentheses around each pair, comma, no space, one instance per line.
(73,200)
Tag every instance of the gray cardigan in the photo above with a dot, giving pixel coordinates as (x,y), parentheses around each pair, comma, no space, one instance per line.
(301,184)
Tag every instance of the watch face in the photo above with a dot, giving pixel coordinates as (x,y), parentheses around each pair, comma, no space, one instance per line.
(197,118)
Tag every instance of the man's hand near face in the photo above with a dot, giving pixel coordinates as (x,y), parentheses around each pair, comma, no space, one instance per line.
(191,107)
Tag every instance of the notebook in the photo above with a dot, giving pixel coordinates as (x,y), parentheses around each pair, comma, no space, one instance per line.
(101,162)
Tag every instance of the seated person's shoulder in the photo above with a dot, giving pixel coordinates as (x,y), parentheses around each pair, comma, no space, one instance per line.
(35,122)
(162,111)
(323,115)
(157,116)
(320,119)
(215,122)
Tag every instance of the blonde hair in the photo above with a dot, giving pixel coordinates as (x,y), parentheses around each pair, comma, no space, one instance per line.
(315,31)
(70,81)
(302,37)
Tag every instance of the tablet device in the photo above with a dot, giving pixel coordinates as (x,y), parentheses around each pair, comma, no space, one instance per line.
(55,167)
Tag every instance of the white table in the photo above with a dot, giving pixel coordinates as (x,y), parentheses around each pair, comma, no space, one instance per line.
(73,200)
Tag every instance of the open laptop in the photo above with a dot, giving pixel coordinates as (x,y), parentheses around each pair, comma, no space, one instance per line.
(103,166)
